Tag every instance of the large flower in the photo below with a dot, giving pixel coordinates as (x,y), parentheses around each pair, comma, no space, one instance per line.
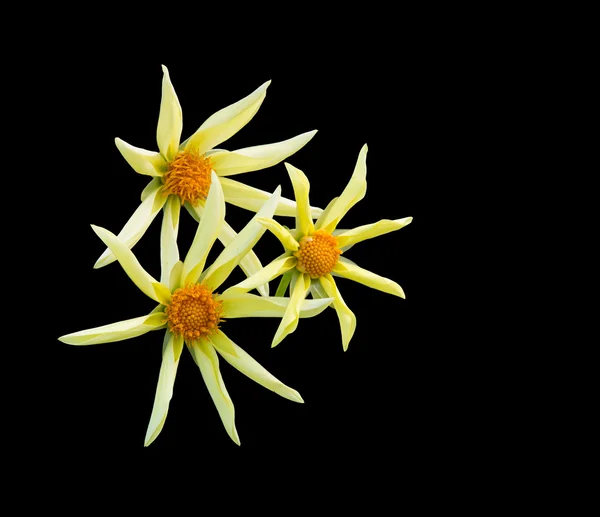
(191,310)
(183,170)
(313,252)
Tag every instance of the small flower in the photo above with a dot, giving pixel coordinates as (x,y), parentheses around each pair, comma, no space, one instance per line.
(183,170)
(313,252)
(192,311)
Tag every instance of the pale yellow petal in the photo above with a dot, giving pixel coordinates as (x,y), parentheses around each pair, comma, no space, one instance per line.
(149,163)
(301,186)
(325,213)
(284,235)
(368,231)
(176,274)
(252,199)
(346,269)
(116,331)
(250,264)
(272,270)
(169,252)
(352,194)
(227,163)
(252,369)
(171,352)
(207,232)
(128,261)
(137,225)
(222,343)
(299,286)
(240,245)
(226,122)
(170,121)
(151,187)
(345,315)
(208,361)
(238,304)
(163,293)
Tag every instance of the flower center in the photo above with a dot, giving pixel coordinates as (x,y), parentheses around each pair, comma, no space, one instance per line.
(188,177)
(318,253)
(194,312)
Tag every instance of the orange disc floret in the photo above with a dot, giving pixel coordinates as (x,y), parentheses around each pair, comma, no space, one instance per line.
(188,177)
(193,312)
(318,253)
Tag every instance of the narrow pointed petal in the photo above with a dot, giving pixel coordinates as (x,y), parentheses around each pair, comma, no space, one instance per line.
(299,287)
(208,361)
(250,368)
(284,235)
(137,225)
(163,293)
(226,122)
(116,331)
(272,270)
(149,163)
(250,264)
(240,245)
(317,291)
(301,186)
(252,199)
(352,194)
(128,261)
(176,274)
(172,348)
(169,252)
(345,315)
(325,213)
(347,269)
(368,231)
(207,232)
(151,187)
(170,121)
(237,304)
(227,163)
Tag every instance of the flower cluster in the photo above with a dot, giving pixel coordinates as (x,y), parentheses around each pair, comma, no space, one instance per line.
(191,306)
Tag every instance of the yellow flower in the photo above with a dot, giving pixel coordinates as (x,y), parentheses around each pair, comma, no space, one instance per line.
(183,170)
(313,252)
(191,310)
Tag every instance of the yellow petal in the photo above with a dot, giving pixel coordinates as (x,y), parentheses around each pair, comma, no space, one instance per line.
(208,361)
(170,122)
(137,225)
(150,188)
(227,163)
(299,286)
(250,264)
(325,213)
(172,347)
(301,186)
(116,331)
(207,232)
(346,269)
(128,261)
(278,267)
(284,235)
(169,252)
(149,163)
(240,245)
(252,199)
(237,304)
(176,274)
(250,368)
(226,122)
(368,231)
(222,343)
(352,194)
(163,293)
(345,315)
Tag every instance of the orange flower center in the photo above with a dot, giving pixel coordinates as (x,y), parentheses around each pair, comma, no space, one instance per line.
(318,253)
(193,312)
(188,177)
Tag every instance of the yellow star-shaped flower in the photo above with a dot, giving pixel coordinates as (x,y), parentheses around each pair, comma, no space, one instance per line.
(182,170)
(191,310)
(313,252)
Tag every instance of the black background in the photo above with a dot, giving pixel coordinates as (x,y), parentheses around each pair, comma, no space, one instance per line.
(394,396)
